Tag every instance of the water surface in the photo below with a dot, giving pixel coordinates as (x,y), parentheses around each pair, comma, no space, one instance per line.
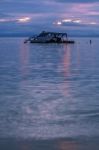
(49,95)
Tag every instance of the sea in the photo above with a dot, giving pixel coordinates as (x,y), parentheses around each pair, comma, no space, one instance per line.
(49,95)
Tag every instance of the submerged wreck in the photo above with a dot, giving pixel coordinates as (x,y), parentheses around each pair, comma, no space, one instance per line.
(49,37)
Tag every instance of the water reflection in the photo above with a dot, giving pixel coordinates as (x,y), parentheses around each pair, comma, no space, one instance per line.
(77,60)
(66,61)
(24,59)
(45,102)
(66,70)
(24,68)
(67,145)
(49,144)
(47,95)
(25,145)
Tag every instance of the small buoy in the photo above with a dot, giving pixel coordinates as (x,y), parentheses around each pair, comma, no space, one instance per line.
(90,41)
(25,41)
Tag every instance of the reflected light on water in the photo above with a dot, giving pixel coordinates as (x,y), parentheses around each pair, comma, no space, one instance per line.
(66,62)
(44,99)
(43,144)
(25,146)
(67,145)
(24,59)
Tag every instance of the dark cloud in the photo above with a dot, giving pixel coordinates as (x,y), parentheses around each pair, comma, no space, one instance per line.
(26,6)
(4,15)
(73,24)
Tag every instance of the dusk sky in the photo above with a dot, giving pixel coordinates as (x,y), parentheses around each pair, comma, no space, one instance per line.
(32,16)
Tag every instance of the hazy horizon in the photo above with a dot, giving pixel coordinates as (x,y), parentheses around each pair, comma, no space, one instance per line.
(29,34)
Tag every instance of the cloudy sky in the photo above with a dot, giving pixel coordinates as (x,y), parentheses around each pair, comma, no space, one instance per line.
(32,16)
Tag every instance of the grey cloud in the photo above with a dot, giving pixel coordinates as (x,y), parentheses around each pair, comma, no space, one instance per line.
(30,6)
(81,25)
(77,1)
(73,24)
(3,15)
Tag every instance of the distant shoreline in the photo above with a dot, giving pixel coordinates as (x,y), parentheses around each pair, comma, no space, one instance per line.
(20,36)
(31,34)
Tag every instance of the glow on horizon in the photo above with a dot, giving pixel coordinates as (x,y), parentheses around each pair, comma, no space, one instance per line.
(20,20)
(58,23)
(76,21)
(66,20)
(93,23)
(24,19)
(2,20)
(6,20)
(72,20)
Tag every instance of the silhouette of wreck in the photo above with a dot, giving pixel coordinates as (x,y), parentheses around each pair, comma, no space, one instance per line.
(49,37)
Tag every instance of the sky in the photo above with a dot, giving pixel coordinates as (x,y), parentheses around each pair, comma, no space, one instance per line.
(24,17)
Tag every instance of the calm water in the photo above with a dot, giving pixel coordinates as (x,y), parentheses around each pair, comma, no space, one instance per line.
(49,95)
